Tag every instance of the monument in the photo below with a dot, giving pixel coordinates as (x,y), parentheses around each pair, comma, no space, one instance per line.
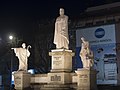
(87,75)
(22,77)
(60,75)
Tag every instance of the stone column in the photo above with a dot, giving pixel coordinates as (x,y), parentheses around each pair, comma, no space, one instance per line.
(22,80)
(86,79)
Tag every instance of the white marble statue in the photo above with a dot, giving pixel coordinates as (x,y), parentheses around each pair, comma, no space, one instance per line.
(86,54)
(22,53)
(61,31)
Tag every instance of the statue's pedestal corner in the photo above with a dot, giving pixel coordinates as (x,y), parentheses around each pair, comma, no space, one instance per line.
(86,79)
(22,79)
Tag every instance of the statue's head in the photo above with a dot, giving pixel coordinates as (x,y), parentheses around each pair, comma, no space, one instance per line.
(61,11)
(23,45)
(82,38)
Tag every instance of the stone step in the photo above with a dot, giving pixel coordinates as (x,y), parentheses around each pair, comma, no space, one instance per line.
(53,87)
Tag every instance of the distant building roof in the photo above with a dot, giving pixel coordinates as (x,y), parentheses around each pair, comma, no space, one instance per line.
(106,6)
(98,15)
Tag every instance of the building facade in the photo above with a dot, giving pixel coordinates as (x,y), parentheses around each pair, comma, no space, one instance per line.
(100,25)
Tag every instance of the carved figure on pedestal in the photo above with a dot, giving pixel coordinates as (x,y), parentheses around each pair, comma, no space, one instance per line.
(61,38)
(22,53)
(86,54)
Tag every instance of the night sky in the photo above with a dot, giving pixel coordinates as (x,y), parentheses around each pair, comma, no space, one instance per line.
(17,17)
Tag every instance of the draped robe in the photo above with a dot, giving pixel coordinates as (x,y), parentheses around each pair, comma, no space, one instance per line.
(86,55)
(61,32)
(22,55)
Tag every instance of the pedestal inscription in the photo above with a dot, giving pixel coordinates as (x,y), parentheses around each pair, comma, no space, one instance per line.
(59,78)
(55,78)
(57,61)
(18,79)
(83,78)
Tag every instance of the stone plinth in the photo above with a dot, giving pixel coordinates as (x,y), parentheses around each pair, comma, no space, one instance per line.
(61,60)
(22,80)
(86,79)
(60,76)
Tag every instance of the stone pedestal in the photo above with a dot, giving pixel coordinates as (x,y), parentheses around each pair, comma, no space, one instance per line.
(61,60)
(60,74)
(86,79)
(21,80)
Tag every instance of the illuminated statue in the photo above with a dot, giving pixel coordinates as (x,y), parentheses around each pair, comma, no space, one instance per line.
(22,54)
(61,31)
(86,54)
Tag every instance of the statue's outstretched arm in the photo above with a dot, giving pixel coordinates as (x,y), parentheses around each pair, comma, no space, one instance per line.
(12,48)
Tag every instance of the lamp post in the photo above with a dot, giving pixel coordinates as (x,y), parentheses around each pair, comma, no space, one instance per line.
(11,42)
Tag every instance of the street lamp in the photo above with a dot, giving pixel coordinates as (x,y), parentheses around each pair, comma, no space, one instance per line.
(11,39)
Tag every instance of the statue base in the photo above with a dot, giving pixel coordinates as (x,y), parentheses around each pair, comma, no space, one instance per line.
(22,80)
(86,79)
(60,76)
(61,60)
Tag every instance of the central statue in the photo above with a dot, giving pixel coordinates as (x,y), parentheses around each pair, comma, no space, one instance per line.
(61,38)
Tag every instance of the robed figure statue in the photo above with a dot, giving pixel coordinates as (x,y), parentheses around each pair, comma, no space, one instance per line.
(61,38)
(22,53)
(86,54)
